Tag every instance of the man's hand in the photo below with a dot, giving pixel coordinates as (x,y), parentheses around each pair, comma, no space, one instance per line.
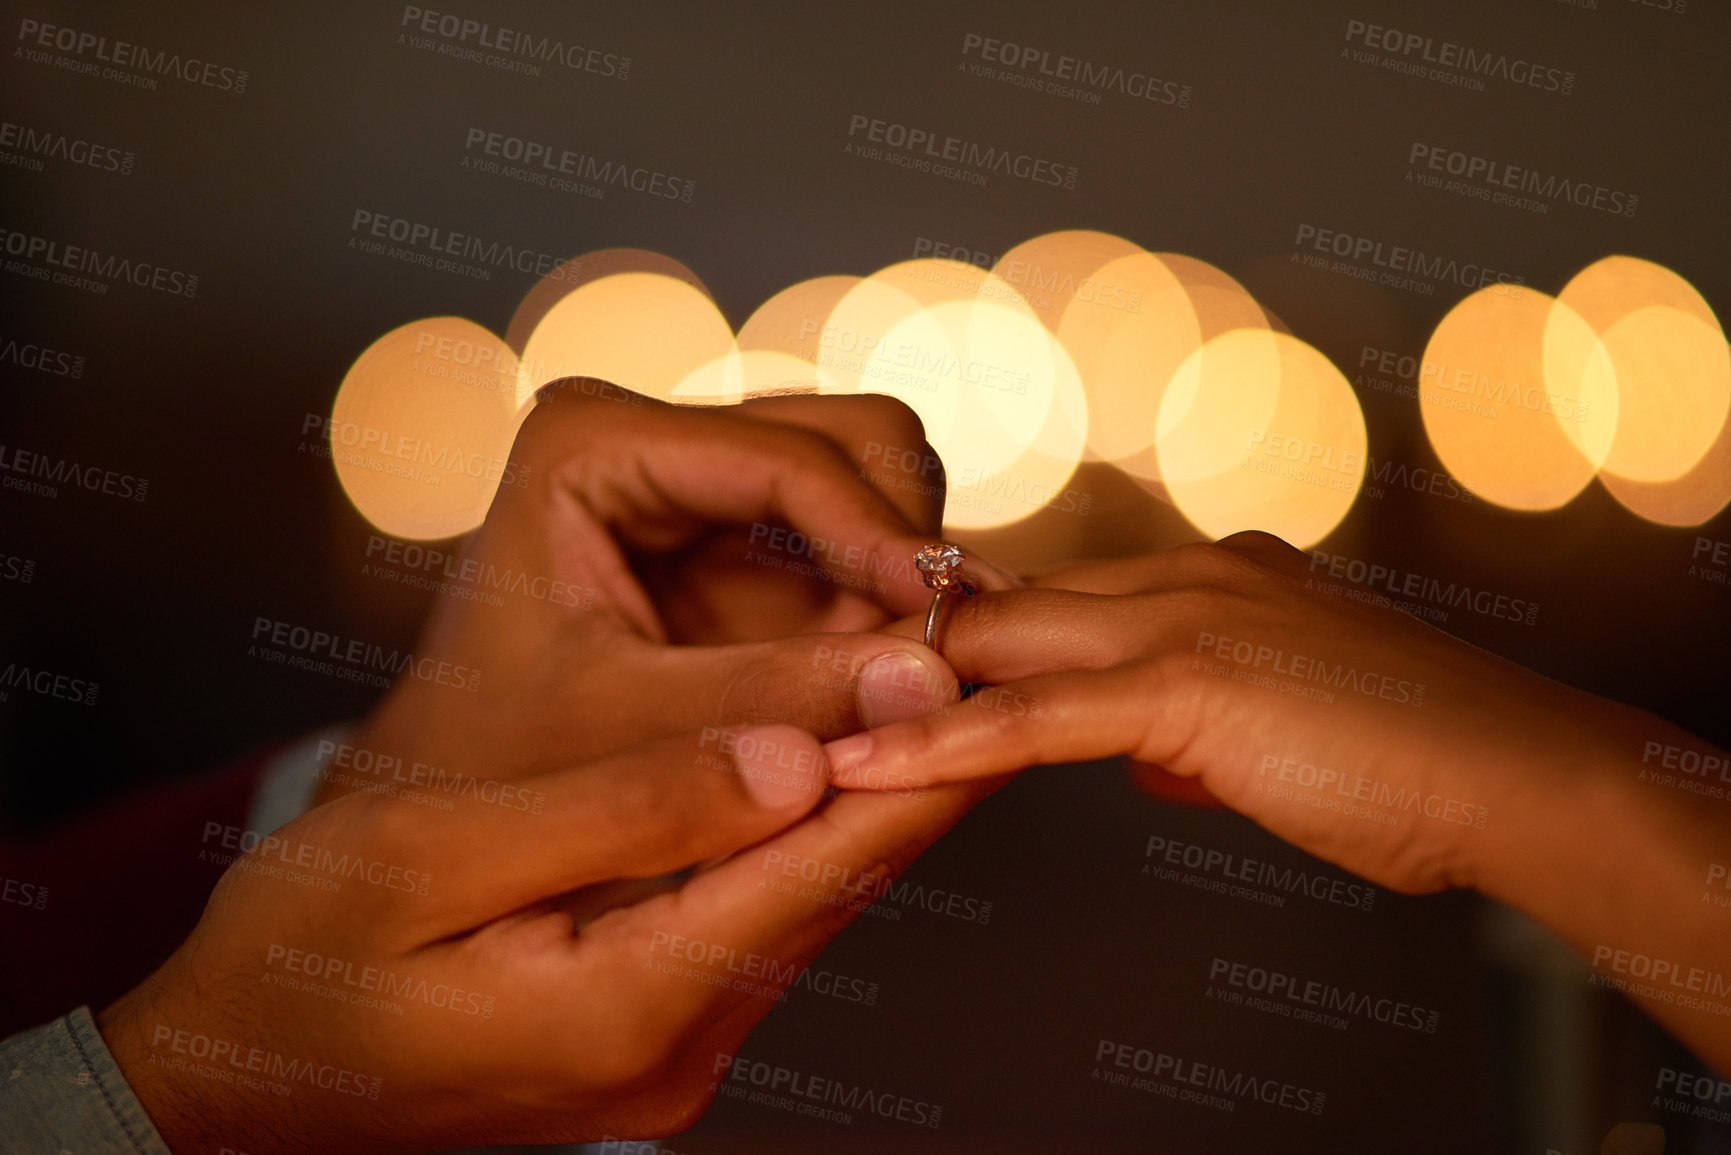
(377,976)
(647,525)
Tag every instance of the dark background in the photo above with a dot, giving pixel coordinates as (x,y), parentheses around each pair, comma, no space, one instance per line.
(206,398)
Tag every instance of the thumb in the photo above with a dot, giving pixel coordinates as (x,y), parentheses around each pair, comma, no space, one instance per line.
(829,684)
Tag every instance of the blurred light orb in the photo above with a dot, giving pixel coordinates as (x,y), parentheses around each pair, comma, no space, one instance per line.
(643,331)
(1693,499)
(1054,270)
(792,321)
(1259,430)
(1643,349)
(1220,303)
(1022,423)
(1488,410)
(1673,383)
(1127,341)
(567,278)
(422,428)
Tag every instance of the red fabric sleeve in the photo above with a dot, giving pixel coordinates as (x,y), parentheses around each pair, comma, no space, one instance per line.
(124,885)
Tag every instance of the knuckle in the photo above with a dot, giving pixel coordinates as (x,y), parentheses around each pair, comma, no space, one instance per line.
(1258,546)
(884,418)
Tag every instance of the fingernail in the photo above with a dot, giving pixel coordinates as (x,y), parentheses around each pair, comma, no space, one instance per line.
(783,768)
(900,686)
(846,753)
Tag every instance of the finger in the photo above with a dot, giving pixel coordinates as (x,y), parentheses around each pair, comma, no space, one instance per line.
(1144,712)
(1002,637)
(641,813)
(828,684)
(870,428)
(1270,551)
(666,471)
(749,908)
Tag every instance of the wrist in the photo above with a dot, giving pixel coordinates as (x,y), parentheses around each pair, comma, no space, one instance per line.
(182,1071)
(1587,847)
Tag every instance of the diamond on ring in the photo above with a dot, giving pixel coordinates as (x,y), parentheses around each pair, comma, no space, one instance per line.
(939,565)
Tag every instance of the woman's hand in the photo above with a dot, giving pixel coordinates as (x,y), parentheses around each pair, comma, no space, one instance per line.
(1359,734)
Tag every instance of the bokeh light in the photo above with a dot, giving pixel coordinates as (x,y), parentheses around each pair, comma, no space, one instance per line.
(644,331)
(1692,499)
(422,427)
(1082,346)
(1259,430)
(572,275)
(1053,270)
(793,320)
(1673,382)
(1486,406)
